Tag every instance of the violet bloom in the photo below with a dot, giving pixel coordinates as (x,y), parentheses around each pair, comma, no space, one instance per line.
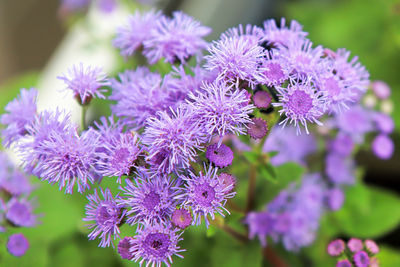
(371,246)
(355,245)
(17,245)
(124,247)
(67,158)
(260,224)
(289,145)
(282,35)
(361,259)
(344,263)
(156,244)
(236,59)
(261,99)
(20,213)
(251,33)
(356,122)
(300,103)
(20,113)
(302,58)
(131,36)
(85,82)
(350,70)
(176,39)
(181,218)
(383,146)
(40,131)
(276,69)
(335,198)
(383,122)
(139,94)
(173,139)
(220,109)
(336,247)
(15,183)
(339,169)
(258,129)
(149,199)
(381,89)
(205,195)
(106,214)
(117,156)
(227,180)
(221,156)
(343,144)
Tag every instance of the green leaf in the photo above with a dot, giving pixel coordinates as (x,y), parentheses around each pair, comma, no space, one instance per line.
(211,230)
(267,171)
(251,156)
(368,212)
(388,256)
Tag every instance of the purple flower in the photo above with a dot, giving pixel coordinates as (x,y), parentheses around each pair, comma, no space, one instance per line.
(106,214)
(221,109)
(227,180)
(336,247)
(40,131)
(149,199)
(181,218)
(343,144)
(124,247)
(350,70)
(300,103)
(66,158)
(85,82)
(175,39)
(251,33)
(21,113)
(283,35)
(221,156)
(383,146)
(361,259)
(355,245)
(17,245)
(356,122)
(20,213)
(74,5)
(275,69)
(289,145)
(156,244)
(335,198)
(344,263)
(136,31)
(139,94)
(371,246)
(236,59)
(339,169)
(15,183)
(383,122)
(381,89)
(261,99)
(258,129)
(172,139)
(302,58)
(205,195)
(117,156)
(260,224)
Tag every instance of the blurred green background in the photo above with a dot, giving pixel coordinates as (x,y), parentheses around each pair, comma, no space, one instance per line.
(368,28)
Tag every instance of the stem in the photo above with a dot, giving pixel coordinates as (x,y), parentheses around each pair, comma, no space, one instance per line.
(271,256)
(251,188)
(83,117)
(229,230)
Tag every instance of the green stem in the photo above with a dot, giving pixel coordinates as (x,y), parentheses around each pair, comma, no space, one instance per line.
(251,188)
(83,117)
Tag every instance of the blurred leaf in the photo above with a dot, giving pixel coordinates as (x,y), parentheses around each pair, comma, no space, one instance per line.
(268,172)
(10,89)
(211,231)
(251,156)
(388,256)
(368,212)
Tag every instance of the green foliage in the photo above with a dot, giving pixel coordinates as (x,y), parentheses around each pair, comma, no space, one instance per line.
(369,212)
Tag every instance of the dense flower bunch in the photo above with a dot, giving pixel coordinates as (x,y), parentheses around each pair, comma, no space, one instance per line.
(355,253)
(172,135)
(16,205)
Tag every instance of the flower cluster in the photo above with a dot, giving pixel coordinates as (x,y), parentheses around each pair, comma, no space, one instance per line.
(355,253)
(16,205)
(173,134)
